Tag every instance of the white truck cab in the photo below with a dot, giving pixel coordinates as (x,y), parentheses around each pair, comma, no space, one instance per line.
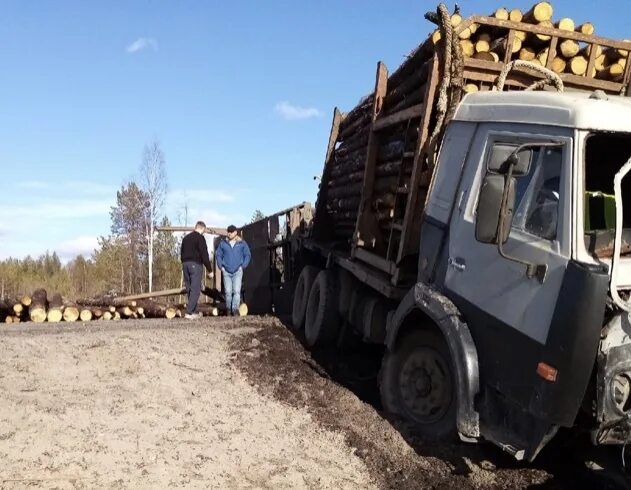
(520,233)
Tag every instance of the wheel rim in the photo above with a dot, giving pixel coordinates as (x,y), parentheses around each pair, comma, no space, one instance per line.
(425,385)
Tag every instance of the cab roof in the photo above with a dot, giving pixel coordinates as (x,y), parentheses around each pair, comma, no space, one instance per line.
(581,110)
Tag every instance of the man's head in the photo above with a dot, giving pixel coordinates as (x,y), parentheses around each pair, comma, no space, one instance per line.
(232,232)
(200,227)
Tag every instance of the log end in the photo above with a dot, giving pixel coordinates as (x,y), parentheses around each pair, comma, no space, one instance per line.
(37,315)
(54,315)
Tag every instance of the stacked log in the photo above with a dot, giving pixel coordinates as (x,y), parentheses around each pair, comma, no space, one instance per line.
(38,307)
(405,88)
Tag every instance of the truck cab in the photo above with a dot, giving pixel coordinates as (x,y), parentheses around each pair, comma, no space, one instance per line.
(519,233)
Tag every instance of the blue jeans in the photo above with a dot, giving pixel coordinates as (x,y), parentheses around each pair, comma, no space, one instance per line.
(232,289)
(193,282)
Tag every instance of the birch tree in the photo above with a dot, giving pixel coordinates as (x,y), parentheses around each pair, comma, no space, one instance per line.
(153,183)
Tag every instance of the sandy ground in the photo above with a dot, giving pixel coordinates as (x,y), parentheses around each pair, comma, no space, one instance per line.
(153,407)
(218,403)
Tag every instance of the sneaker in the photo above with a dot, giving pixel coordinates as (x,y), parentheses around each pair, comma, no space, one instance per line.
(191,317)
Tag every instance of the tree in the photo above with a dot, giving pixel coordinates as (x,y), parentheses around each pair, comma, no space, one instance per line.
(168,270)
(153,183)
(129,226)
(257,216)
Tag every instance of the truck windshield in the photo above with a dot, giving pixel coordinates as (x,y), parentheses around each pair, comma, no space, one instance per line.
(605,153)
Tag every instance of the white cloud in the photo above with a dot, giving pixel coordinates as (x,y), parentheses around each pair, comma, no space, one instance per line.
(81,245)
(292,112)
(141,44)
(55,209)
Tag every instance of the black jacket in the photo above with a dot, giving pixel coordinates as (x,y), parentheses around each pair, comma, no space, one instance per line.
(194,249)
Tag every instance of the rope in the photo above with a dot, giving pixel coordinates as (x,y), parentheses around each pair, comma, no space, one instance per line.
(551,78)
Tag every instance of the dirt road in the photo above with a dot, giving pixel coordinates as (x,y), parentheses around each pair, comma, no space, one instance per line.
(217,403)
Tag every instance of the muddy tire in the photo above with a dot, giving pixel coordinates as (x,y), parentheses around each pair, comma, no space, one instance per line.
(301,296)
(417,383)
(322,319)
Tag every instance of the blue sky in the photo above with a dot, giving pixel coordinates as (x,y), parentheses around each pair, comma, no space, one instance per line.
(240,95)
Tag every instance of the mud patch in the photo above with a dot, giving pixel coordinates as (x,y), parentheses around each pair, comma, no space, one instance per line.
(277,364)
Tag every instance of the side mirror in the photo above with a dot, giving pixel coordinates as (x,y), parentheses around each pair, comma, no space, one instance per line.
(490,207)
(505,155)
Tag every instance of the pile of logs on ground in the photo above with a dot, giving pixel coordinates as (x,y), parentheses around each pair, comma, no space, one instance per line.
(39,307)
(405,90)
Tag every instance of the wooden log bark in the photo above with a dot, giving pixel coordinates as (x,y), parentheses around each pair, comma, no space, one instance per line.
(414,81)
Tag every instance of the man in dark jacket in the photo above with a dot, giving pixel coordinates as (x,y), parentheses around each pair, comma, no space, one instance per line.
(194,255)
(233,255)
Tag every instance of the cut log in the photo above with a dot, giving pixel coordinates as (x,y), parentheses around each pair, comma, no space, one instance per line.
(26,300)
(18,309)
(436,36)
(8,319)
(38,306)
(521,35)
(577,65)
(456,20)
(468,48)
(107,315)
(116,316)
(483,44)
(71,313)
(516,15)
(569,48)
(544,37)
(502,14)
(97,313)
(586,28)
(527,54)
(85,315)
(540,12)
(170,313)
(614,73)
(566,24)
(125,311)
(486,56)
(55,309)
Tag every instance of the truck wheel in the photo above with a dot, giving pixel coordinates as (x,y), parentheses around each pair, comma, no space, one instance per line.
(301,296)
(417,384)
(322,319)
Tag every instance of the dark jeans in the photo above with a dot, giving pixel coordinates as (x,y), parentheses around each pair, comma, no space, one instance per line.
(193,282)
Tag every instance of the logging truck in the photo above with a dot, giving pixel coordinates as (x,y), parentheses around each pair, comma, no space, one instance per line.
(470,218)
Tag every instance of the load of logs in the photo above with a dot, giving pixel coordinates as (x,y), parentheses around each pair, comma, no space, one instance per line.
(39,307)
(405,89)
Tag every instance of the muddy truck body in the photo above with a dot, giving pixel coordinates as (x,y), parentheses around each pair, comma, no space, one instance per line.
(481,238)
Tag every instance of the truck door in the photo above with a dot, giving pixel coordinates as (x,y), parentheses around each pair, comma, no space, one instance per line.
(509,313)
